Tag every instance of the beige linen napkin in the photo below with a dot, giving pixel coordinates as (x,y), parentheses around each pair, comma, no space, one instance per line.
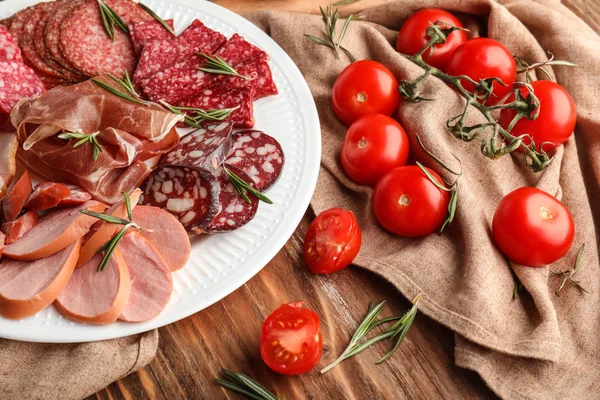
(70,371)
(539,346)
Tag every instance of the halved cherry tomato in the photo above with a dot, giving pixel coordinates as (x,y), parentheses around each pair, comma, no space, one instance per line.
(332,241)
(484,58)
(291,341)
(532,228)
(374,145)
(413,36)
(408,204)
(555,122)
(364,87)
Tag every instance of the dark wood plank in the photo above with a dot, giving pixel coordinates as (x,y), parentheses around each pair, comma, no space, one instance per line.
(193,351)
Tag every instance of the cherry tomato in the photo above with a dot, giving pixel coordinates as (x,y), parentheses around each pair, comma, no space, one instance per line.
(555,122)
(413,36)
(291,341)
(408,204)
(532,228)
(364,87)
(374,145)
(332,241)
(483,58)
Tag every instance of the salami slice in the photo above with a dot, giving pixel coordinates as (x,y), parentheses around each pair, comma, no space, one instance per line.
(234,211)
(259,155)
(237,50)
(198,38)
(145,31)
(156,56)
(19,81)
(259,75)
(204,148)
(52,34)
(192,197)
(219,98)
(9,49)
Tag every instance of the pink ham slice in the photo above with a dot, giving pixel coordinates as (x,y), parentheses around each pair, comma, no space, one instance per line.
(53,233)
(27,287)
(166,233)
(151,281)
(93,296)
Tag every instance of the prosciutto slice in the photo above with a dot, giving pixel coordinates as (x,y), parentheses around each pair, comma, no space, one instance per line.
(132,136)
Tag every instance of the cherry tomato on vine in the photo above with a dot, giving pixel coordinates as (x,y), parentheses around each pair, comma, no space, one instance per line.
(483,58)
(532,228)
(364,87)
(332,241)
(408,204)
(413,36)
(374,145)
(555,122)
(290,340)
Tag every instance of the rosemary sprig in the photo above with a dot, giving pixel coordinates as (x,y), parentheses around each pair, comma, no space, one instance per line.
(396,331)
(199,115)
(216,65)
(246,386)
(110,18)
(330,19)
(126,84)
(243,188)
(568,275)
(344,2)
(117,92)
(157,18)
(109,247)
(83,138)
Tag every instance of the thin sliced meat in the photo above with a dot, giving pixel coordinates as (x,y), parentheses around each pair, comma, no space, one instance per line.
(27,41)
(237,50)
(96,297)
(52,35)
(17,228)
(8,165)
(20,82)
(151,280)
(17,196)
(27,287)
(219,98)
(156,56)
(107,230)
(145,31)
(47,195)
(77,197)
(20,19)
(1,243)
(166,233)
(53,233)
(204,148)
(258,74)
(9,49)
(191,195)
(259,155)
(234,212)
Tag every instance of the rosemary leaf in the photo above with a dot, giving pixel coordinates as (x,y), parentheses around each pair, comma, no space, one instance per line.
(237,388)
(243,187)
(126,83)
(344,2)
(110,18)
(216,65)
(117,92)
(330,19)
(104,217)
(108,27)
(245,385)
(157,18)
(128,206)
(111,247)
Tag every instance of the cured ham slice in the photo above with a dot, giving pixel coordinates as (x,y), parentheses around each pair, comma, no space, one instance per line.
(56,231)
(106,230)
(131,136)
(93,296)
(8,165)
(166,233)
(151,280)
(27,287)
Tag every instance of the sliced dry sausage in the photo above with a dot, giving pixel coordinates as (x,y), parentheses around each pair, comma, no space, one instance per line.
(47,195)
(17,228)
(17,196)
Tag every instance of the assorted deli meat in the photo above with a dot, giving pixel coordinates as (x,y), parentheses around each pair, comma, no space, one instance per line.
(100,192)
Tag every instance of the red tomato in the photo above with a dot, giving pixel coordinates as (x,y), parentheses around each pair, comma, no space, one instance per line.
(408,204)
(532,228)
(555,122)
(483,58)
(374,145)
(291,341)
(364,87)
(332,241)
(413,37)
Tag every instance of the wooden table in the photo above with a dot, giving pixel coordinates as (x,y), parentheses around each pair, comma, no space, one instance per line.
(193,351)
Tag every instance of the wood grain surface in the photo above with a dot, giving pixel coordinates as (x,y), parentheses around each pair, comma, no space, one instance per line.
(193,351)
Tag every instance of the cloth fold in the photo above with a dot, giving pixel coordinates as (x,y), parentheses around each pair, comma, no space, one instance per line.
(70,371)
(537,346)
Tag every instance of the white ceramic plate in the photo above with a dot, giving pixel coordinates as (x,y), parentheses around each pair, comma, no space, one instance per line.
(219,264)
